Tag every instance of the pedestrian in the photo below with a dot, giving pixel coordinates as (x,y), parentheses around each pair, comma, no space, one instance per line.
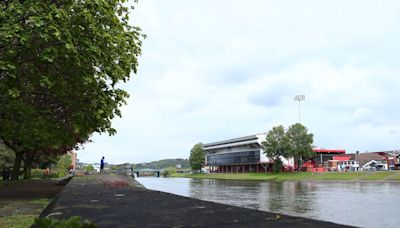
(102,165)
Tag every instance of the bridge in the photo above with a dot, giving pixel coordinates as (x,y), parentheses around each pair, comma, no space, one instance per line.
(127,169)
(147,172)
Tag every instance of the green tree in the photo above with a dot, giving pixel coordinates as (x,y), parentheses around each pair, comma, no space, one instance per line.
(197,157)
(300,143)
(168,171)
(60,63)
(89,168)
(7,156)
(64,165)
(276,144)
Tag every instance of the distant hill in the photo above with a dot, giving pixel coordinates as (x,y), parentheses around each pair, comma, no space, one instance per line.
(162,164)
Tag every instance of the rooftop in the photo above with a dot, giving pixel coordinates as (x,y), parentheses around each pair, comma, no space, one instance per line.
(234,140)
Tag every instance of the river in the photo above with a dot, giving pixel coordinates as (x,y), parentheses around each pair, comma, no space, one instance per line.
(357,204)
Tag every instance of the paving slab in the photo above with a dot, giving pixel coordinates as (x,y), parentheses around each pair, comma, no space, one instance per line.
(119,201)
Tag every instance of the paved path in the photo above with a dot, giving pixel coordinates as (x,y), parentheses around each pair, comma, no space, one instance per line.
(119,201)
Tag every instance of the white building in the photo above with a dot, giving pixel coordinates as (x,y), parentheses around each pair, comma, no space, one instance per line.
(244,154)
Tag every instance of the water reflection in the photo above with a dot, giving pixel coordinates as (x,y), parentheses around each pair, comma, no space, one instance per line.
(359,204)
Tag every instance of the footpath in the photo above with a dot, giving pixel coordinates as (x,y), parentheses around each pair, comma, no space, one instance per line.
(120,201)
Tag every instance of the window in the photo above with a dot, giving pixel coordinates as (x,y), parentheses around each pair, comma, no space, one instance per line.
(243,157)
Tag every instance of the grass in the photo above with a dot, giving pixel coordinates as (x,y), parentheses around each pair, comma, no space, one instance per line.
(17,221)
(301,176)
(20,213)
(339,176)
(377,175)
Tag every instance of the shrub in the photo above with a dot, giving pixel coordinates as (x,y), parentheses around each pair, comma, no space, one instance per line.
(74,221)
(168,171)
(63,165)
(37,173)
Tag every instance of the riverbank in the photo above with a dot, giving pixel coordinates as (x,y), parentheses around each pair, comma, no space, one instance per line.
(119,201)
(378,176)
(22,201)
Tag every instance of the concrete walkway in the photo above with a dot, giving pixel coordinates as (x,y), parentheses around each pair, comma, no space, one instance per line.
(119,201)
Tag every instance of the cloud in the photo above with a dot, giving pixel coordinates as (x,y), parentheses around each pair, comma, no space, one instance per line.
(213,70)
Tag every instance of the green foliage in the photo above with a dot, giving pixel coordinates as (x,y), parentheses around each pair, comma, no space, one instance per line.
(277,166)
(60,63)
(295,142)
(300,142)
(197,157)
(168,171)
(63,165)
(276,143)
(17,221)
(7,156)
(89,168)
(73,222)
(37,173)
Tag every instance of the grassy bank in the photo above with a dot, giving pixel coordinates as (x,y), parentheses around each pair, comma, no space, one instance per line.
(20,213)
(302,176)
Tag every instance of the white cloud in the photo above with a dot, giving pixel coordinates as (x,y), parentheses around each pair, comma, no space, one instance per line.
(213,70)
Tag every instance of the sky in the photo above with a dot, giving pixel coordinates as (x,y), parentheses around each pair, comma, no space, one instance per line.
(215,70)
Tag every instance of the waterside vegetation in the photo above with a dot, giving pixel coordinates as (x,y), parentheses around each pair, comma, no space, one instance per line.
(301,176)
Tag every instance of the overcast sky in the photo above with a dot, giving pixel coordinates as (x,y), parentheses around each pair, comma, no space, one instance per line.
(214,70)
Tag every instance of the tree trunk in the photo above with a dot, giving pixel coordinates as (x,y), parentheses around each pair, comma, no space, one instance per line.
(28,165)
(17,166)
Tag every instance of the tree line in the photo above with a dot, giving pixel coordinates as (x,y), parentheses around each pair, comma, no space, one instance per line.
(294,143)
(60,64)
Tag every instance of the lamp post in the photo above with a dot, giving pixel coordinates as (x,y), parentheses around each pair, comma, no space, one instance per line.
(299,98)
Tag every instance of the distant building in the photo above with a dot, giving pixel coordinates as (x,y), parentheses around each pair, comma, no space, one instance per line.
(74,159)
(370,161)
(239,155)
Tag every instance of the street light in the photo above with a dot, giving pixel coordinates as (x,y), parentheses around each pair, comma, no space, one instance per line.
(299,98)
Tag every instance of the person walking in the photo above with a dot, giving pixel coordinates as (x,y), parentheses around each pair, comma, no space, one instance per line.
(102,165)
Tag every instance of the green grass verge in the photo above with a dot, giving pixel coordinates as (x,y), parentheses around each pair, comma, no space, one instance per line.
(301,176)
(41,202)
(22,218)
(339,176)
(17,221)
(377,175)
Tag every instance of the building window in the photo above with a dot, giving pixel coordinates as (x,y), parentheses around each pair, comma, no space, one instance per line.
(244,157)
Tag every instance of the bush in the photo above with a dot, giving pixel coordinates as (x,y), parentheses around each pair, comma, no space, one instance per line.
(37,173)
(74,221)
(63,165)
(168,171)
(89,168)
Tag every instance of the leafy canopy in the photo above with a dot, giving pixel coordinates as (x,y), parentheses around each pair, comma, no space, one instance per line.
(197,157)
(295,142)
(276,143)
(6,156)
(300,141)
(60,62)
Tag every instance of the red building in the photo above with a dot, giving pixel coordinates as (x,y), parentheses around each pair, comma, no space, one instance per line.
(316,164)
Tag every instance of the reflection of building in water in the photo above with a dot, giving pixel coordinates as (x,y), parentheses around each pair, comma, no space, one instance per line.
(239,155)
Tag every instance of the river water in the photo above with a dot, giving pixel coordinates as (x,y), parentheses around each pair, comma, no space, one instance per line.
(357,204)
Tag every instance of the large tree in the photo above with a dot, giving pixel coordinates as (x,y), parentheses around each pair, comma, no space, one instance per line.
(60,62)
(6,156)
(300,142)
(276,145)
(197,157)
